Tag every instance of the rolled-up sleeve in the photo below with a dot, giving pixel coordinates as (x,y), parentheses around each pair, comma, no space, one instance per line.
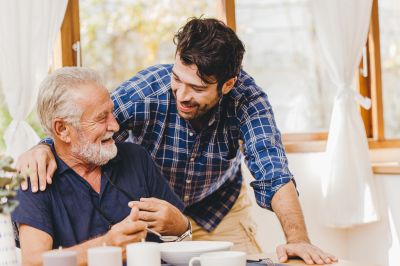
(263,149)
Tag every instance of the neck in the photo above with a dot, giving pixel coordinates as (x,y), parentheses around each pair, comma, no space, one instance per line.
(90,172)
(200,123)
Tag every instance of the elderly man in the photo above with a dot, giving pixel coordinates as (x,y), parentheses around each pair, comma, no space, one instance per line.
(87,205)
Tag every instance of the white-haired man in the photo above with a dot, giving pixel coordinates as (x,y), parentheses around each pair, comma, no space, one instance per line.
(92,199)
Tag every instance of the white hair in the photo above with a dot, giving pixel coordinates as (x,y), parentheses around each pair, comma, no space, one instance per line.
(56,99)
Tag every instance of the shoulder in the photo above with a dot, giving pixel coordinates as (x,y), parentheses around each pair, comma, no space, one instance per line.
(246,89)
(247,98)
(28,195)
(35,210)
(127,148)
(152,81)
(32,205)
(133,153)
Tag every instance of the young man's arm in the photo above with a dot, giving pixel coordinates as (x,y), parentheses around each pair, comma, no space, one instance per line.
(274,186)
(286,206)
(35,242)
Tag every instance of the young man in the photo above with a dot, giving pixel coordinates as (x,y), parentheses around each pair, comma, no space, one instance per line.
(191,117)
(87,204)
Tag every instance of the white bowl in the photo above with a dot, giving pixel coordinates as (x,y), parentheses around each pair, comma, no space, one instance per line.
(180,253)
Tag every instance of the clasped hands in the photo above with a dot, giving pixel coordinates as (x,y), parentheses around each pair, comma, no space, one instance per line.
(153,213)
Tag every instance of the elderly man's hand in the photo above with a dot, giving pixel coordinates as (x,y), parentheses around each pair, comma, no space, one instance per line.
(127,231)
(40,164)
(161,216)
(306,251)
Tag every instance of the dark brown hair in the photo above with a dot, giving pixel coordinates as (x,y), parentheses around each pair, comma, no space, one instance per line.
(213,47)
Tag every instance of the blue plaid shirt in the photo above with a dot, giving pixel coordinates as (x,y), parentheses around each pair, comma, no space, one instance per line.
(204,167)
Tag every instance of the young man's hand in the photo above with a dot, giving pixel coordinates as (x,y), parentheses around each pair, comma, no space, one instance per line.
(40,165)
(306,251)
(161,216)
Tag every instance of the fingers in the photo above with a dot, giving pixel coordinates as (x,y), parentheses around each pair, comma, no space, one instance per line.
(137,237)
(307,252)
(41,170)
(320,257)
(150,206)
(332,257)
(51,168)
(281,253)
(124,233)
(153,200)
(22,167)
(133,228)
(148,216)
(133,203)
(147,211)
(33,177)
(327,258)
(39,164)
(134,214)
(24,184)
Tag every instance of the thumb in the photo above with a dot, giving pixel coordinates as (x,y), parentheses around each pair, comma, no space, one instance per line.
(282,254)
(134,214)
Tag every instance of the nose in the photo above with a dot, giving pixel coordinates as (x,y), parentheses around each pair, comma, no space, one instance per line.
(183,93)
(112,123)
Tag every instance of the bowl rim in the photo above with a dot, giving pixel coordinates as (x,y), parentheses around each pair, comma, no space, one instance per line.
(224,244)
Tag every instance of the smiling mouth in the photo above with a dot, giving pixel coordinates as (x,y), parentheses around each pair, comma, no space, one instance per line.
(107,141)
(186,108)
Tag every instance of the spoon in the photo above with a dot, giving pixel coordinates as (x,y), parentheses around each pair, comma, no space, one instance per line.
(162,238)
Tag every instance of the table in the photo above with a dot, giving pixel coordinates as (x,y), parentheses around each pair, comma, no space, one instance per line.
(301,263)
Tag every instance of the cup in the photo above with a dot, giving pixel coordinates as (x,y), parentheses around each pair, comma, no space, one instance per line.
(221,258)
(143,254)
(59,257)
(105,256)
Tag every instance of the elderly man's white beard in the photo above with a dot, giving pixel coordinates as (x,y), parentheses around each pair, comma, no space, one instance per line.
(92,153)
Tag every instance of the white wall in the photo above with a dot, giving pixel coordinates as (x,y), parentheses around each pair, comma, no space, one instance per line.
(379,242)
(368,243)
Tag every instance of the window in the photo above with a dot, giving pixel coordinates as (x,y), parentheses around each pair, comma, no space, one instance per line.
(120,38)
(381,73)
(281,54)
(389,22)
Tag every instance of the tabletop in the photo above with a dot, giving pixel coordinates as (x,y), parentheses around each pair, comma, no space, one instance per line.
(299,262)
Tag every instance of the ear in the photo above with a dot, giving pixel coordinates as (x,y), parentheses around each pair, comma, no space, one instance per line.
(62,130)
(228,85)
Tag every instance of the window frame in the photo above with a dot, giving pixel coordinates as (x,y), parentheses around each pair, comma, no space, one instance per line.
(369,86)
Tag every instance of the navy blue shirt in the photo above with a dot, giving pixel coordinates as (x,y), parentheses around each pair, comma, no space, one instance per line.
(71,212)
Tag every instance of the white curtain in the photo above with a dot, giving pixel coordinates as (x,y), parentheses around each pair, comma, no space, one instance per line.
(28,30)
(348,190)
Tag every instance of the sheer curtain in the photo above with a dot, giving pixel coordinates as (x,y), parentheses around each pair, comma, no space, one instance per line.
(28,31)
(349,195)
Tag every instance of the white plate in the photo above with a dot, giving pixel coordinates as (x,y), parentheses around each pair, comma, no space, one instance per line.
(179,253)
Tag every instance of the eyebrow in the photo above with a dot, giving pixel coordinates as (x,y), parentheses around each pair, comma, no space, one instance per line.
(104,113)
(191,84)
(101,114)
